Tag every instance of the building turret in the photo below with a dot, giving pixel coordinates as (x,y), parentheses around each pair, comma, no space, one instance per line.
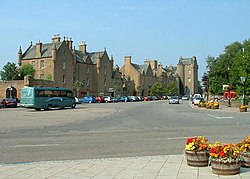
(20,56)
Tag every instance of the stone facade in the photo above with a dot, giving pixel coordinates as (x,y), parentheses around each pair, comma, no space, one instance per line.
(59,62)
(187,71)
(144,76)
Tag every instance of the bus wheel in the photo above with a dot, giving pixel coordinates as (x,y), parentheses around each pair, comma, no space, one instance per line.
(38,109)
(73,106)
(49,106)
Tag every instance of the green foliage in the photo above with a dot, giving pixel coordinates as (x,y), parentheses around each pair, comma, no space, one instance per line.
(26,69)
(229,67)
(78,85)
(158,89)
(9,72)
(172,89)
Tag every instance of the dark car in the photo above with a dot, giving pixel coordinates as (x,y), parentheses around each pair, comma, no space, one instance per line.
(123,99)
(9,102)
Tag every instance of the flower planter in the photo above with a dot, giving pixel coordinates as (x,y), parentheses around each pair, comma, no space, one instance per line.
(245,160)
(208,107)
(225,168)
(197,159)
(243,109)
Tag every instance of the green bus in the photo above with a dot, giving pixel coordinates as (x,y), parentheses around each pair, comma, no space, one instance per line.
(46,98)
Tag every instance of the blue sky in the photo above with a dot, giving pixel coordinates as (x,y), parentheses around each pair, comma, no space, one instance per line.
(145,29)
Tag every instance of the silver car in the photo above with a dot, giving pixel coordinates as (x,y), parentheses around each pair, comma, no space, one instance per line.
(174,100)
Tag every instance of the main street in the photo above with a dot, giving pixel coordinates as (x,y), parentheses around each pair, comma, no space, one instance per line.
(113,130)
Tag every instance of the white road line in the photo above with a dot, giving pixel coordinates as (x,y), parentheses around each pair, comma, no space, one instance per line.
(222,117)
(35,145)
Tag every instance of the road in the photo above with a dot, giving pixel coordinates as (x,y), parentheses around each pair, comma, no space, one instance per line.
(112,130)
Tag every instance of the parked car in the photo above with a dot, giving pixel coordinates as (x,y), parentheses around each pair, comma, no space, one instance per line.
(197,100)
(108,99)
(1,105)
(9,102)
(100,99)
(146,98)
(123,99)
(89,99)
(133,98)
(78,101)
(185,97)
(174,100)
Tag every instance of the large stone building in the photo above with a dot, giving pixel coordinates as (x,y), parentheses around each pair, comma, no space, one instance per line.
(187,71)
(66,66)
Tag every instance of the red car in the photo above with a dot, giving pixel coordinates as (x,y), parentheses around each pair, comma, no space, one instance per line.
(9,102)
(99,99)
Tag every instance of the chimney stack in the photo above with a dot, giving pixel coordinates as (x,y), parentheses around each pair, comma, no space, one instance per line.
(56,38)
(38,49)
(83,47)
(127,60)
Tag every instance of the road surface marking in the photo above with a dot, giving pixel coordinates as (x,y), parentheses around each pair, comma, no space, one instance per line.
(35,145)
(218,117)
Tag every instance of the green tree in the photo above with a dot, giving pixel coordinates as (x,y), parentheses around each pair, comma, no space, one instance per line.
(233,63)
(26,69)
(172,89)
(158,89)
(77,87)
(9,72)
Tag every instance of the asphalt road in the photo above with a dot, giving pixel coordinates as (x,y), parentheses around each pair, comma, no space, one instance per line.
(112,130)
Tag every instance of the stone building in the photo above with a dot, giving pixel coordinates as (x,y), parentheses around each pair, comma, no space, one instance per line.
(187,71)
(59,62)
(144,76)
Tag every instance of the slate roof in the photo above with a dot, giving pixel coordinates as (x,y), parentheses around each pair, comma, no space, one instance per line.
(141,68)
(46,50)
(81,57)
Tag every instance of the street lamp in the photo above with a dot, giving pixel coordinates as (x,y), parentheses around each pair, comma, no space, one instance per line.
(243,80)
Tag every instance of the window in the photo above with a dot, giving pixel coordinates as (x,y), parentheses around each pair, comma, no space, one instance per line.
(41,76)
(33,63)
(105,70)
(64,65)
(63,79)
(189,72)
(42,64)
(87,82)
(105,82)
(189,80)
(87,71)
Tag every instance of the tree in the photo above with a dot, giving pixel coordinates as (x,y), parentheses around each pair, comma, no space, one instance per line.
(229,67)
(77,87)
(10,72)
(172,89)
(158,89)
(26,69)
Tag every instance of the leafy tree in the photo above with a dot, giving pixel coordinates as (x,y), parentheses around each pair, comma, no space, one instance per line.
(172,89)
(77,87)
(9,72)
(229,67)
(158,89)
(26,69)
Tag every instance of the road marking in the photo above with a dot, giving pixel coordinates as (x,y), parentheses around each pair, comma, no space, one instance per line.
(222,117)
(35,145)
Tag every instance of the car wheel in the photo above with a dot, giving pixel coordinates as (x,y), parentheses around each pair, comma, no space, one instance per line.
(73,105)
(90,102)
(49,107)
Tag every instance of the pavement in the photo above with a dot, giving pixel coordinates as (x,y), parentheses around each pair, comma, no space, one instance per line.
(147,167)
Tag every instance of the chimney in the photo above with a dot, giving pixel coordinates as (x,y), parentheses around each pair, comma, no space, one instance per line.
(127,60)
(146,62)
(38,49)
(153,64)
(83,47)
(70,43)
(56,38)
(160,66)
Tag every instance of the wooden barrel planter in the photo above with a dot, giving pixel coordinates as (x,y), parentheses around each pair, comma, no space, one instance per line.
(197,159)
(228,168)
(245,160)
(243,109)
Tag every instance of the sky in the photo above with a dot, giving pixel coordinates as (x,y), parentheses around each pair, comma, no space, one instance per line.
(164,30)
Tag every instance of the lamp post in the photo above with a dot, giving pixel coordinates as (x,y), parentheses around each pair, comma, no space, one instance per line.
(243,80)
